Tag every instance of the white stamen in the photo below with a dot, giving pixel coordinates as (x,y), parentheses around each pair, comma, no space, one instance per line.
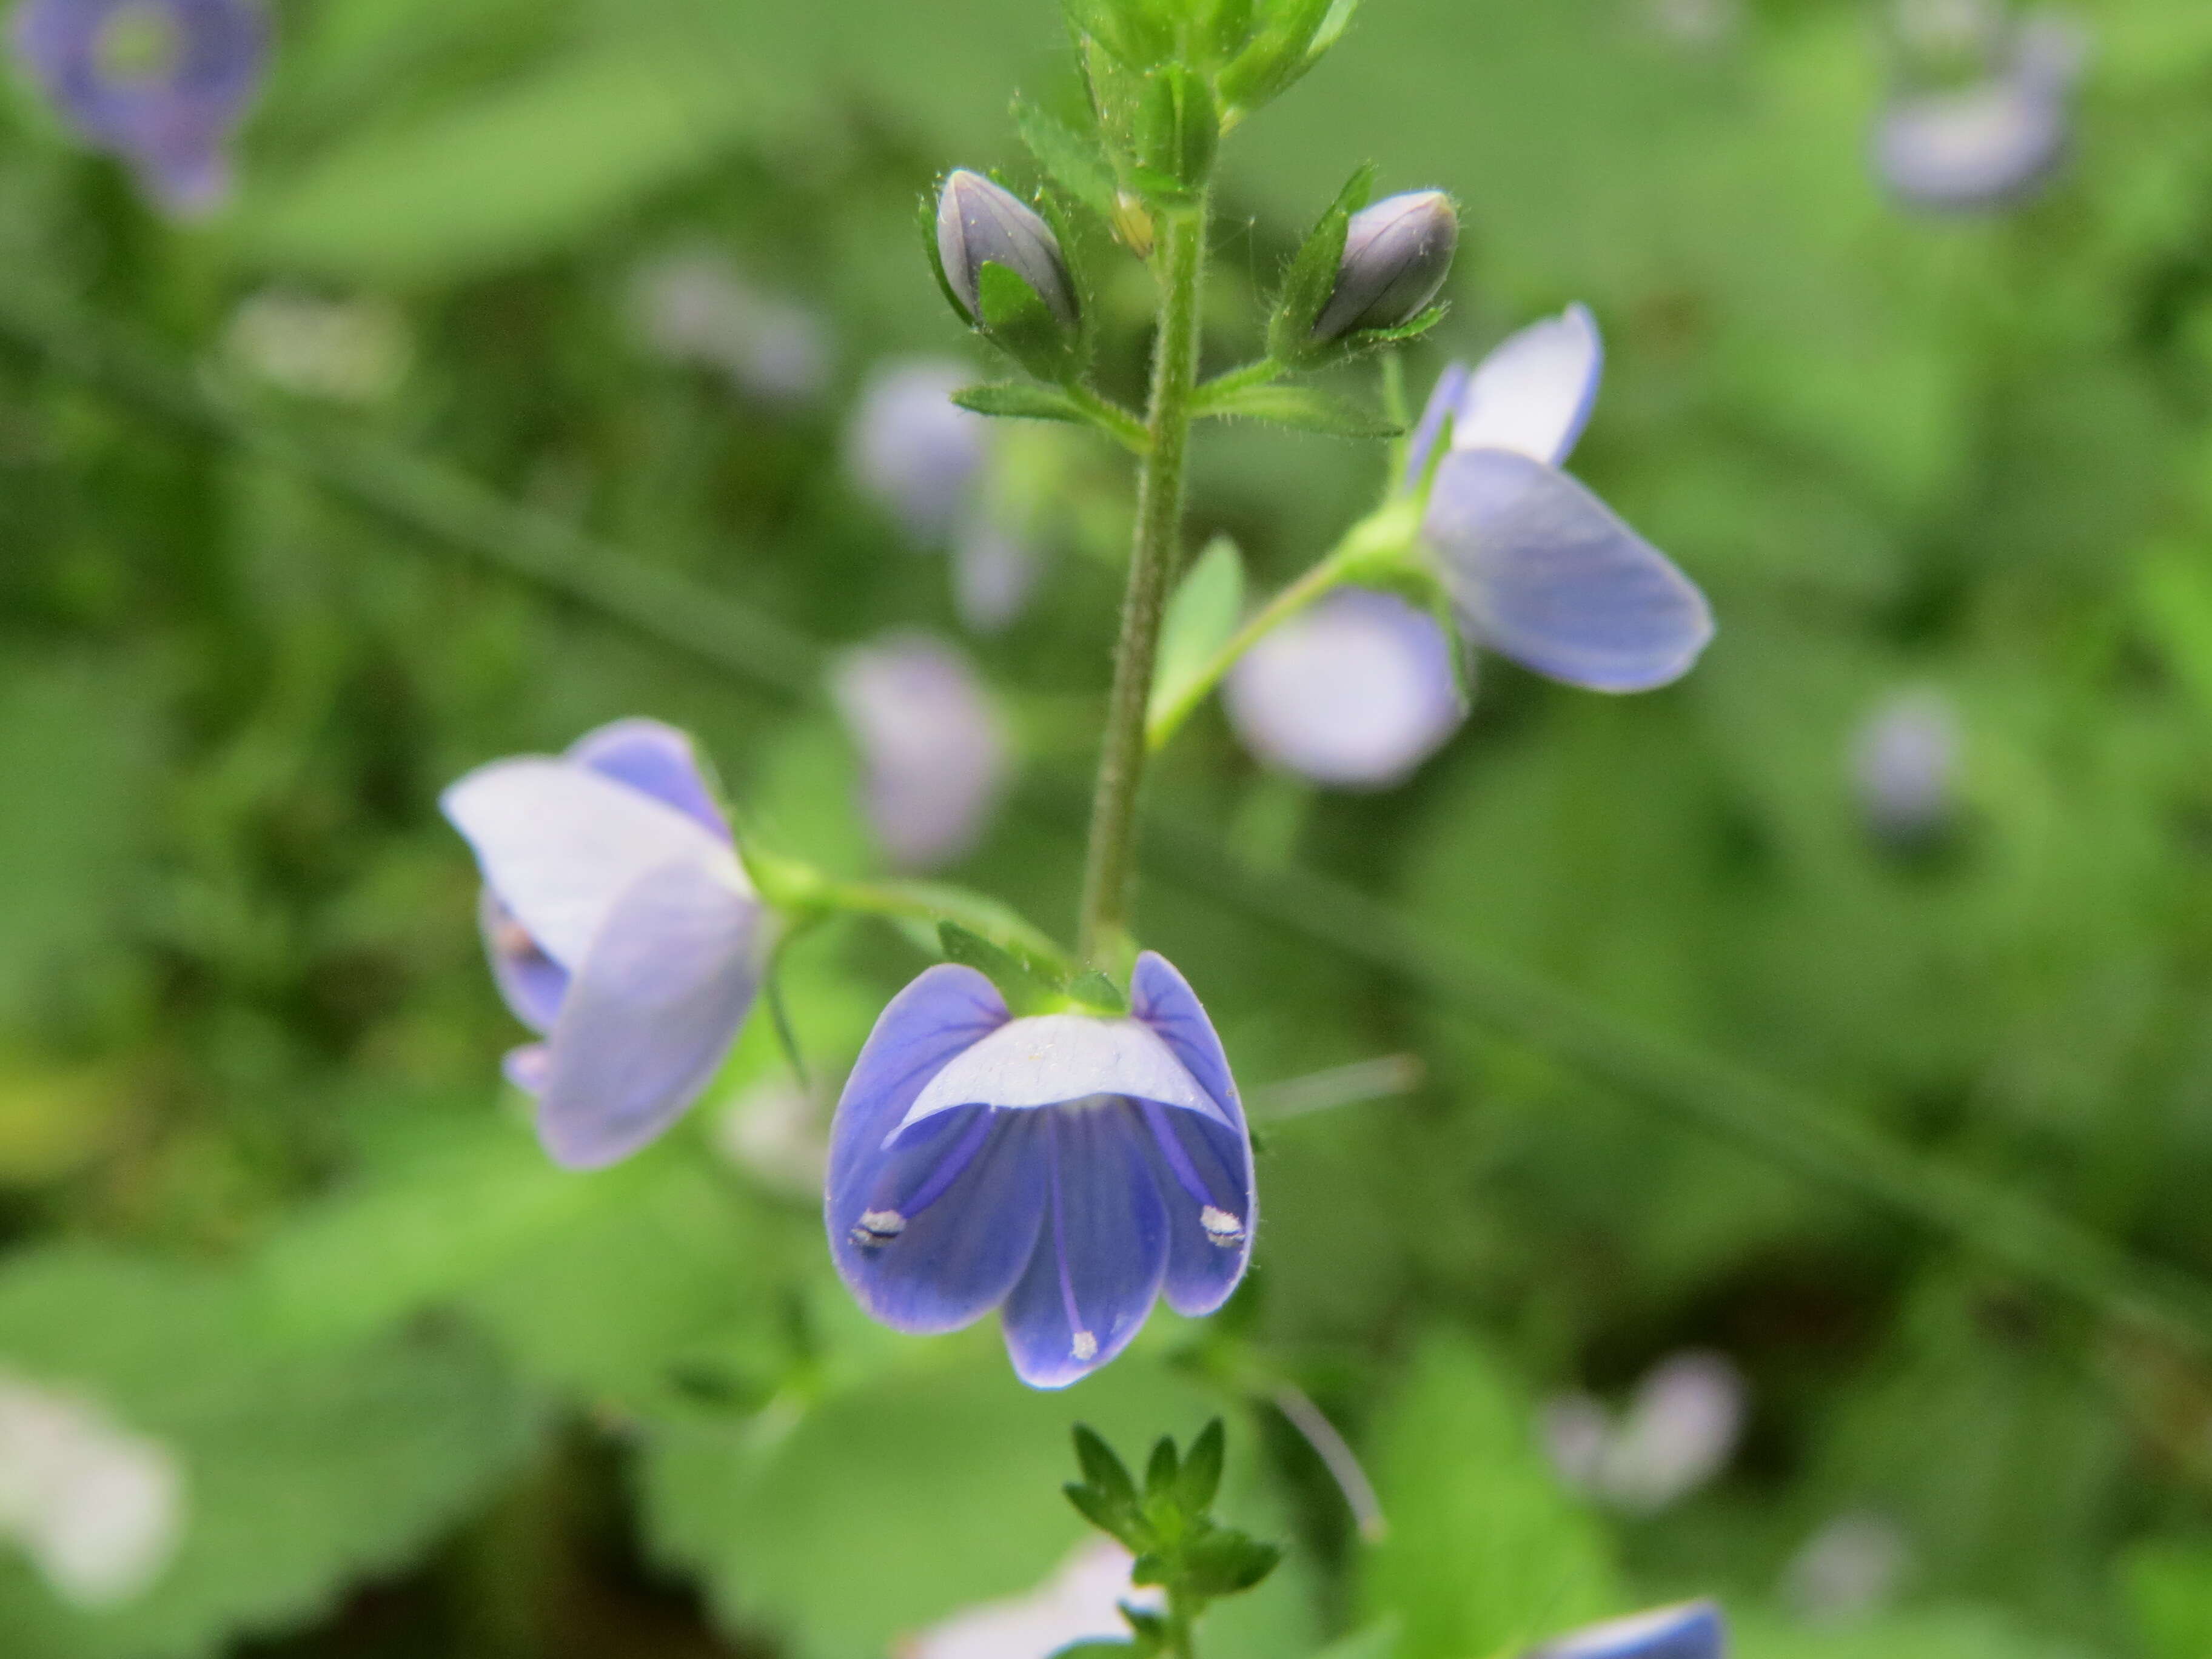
(1221,1227)
(878,1227)
(1085,1346)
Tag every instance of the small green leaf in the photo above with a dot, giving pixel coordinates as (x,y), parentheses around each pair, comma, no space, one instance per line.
(1413,328)
(1098,989)
(1018,400)
(1225,1562)
(1306,408)
(1018,321)
(1201,1477)
(1160,1470)
(1284,50)
(1075,161)
(1201,614)
(1178,130)
(1102,1468)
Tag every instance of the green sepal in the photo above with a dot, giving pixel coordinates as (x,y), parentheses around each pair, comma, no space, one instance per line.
(1149,1628)
(1311,277)
(1306,408)
(1018,400)
(1028,986)
(1017,320)
(1132,30)
(1200,1479)
(1224,28)
(1292,41)
(1074,160)
(1178,128)
(1097,990)
(1367,339)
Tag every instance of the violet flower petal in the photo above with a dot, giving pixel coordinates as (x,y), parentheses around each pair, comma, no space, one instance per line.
(1542,571)
(658,759)
(657,1001)
(1690,1630)
(1100,1255)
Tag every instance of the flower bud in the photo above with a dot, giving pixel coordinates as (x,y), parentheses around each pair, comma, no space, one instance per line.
(979,222)
(1396,256)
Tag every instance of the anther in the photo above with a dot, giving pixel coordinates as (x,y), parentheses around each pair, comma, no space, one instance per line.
(878,1228)
(1085,1346)
(1221,1227)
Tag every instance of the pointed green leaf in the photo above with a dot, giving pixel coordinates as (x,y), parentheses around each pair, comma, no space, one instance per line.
(1201,614)
(1160,1470)
(1074,161)
(1312,276)
(1018,400)
(1025,987)
(1202,1469)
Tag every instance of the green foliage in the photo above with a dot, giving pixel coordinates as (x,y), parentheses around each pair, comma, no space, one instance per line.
(1203,613)
(1487,1552)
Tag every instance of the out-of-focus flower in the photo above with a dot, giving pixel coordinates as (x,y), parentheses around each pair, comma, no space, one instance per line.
(1904,767)
(1538,568)
(162,83)
(1849,1569)
(353,351)
(980,222)
(99,1510)
(621,926)
(1991,140)
(912,450)
(1676,1434)
(1354,693)
(933,750)
(1396,256)
(994,574)
(1690,1630)
(1081,1601)
(692,306)
(1696,23)
(774,1131)
(1067,1168)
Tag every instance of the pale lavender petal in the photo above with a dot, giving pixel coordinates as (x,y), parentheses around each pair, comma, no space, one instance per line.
(1692,1629)
(657,1001)
(1972,147)
(530,983)
(558,843)
(932,1234)
(945,1010)
(692,305)
(1541,570)
(912,450)
(161,82)
(1202,1165)
(1100,1255)
(933,750)
(1354,693)
(528,1068)
(1677,1433)
(658,759)
(1443,404)
(1905,764)
(1049,1060)
(1532,395)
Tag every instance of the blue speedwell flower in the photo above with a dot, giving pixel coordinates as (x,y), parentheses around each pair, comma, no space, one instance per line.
(621,928)
(1538,568)
(1065,1167)
(162,83)
(1353,693)
(1991,140)
(1689,1630)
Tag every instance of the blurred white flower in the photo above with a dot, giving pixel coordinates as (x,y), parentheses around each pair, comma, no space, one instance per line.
(1850,1568)
(693,307)
(353,351)
(1904,765)
(1079,1602)
(777,1131)
(1991,140)
(1678,1432)
(99,1510)
(933,749)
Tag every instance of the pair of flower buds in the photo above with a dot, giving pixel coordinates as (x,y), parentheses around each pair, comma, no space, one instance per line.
(1396,256)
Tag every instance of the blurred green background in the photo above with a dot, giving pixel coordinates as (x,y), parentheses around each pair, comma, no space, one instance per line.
(264,1202)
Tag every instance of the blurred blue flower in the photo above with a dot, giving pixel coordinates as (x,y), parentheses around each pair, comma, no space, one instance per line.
(932,747)
(162,83)
(1904,766)
(621,927)
(1688,1630)
(1992,140)
(1538,568)
(1067,1168)
(1354,693)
